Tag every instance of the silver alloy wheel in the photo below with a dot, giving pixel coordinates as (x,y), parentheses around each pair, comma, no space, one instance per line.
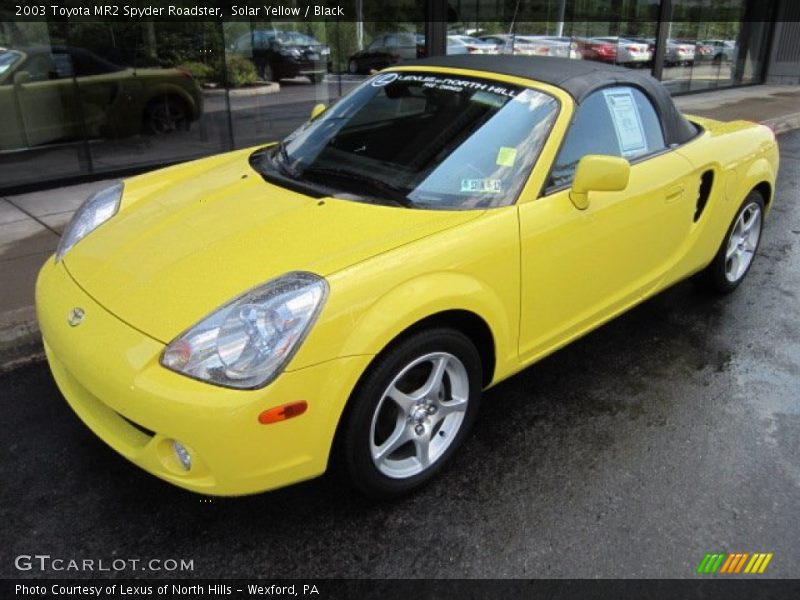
(743,242)
(419,415)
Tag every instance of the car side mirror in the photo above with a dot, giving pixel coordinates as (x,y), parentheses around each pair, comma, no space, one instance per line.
(598,173)
(21,77)
(317,110)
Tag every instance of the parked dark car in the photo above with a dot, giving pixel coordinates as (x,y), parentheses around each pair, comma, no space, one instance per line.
(39,86)
(387,49)
(284,54)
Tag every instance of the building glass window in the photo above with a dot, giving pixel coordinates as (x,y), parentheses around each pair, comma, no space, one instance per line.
(84,98)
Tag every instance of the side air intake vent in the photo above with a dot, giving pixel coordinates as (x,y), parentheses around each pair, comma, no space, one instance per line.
(706,183)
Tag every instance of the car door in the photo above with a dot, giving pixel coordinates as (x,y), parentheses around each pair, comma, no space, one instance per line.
(377,53)
(12,134)
(46,101)
(500,44)
(98,84)
(581,267)
(391,50)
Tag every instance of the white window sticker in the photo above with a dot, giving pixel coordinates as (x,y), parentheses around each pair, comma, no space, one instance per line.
(627,121)
(482,186)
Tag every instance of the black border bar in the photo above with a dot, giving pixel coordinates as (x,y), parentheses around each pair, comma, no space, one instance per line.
(733,588)
(375,11)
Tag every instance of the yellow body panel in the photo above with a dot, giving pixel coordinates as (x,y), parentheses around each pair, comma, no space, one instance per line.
(187,239)
(109,372)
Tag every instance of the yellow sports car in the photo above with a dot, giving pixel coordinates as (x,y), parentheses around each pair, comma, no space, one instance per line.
(236,323)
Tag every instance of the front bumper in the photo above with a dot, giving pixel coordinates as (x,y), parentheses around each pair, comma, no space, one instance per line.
(109,373)
(295,67)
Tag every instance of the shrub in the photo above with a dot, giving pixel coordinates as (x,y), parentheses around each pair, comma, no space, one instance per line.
(241,72)
(201,72)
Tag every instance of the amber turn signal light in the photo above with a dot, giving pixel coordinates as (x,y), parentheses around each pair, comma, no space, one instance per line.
(283,412)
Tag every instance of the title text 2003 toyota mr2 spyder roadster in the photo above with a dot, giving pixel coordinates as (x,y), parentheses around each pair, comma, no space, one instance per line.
(232,324)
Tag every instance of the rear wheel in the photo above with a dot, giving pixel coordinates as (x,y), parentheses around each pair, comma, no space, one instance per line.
(166,115)
(353,67)
(412,412)
(735,255)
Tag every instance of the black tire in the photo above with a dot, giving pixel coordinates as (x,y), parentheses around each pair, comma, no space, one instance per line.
(268,73)
(317,78)
(166,114)
(352,67)
(369,404)
(716,277)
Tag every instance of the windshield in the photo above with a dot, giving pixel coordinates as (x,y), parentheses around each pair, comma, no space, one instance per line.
(7,59)
(422,140)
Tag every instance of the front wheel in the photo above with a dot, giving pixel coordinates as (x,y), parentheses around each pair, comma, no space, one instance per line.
(735,255)
(411,412)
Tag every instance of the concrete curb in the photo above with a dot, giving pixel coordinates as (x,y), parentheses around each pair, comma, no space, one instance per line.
(21,342)
(259,90)
(783,123)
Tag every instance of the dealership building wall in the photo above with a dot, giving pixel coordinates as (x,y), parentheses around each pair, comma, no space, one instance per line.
(81,100)
(783,66)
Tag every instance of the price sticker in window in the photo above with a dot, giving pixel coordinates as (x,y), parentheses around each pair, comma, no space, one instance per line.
(627,121)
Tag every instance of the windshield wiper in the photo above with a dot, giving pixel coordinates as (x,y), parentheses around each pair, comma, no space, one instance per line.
(395,193)
(283,164)
(264,163)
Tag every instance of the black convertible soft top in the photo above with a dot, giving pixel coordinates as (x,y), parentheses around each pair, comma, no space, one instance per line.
(579,78)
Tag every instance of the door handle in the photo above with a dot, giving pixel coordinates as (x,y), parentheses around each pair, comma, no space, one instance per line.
(674,194)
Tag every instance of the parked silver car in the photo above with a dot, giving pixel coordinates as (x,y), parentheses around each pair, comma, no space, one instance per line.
(679,53)
(565,46)
(505,43)
(466,44)
(723,50)
(628,52)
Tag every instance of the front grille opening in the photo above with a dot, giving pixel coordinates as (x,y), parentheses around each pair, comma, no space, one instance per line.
(144,430)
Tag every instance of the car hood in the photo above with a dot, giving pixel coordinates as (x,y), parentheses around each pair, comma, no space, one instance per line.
(188,239)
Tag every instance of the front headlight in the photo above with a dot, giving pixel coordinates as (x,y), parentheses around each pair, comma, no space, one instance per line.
(291,52)
(247,343)
(97,209)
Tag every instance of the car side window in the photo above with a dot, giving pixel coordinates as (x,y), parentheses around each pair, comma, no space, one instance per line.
(616,121)
(40,67)
(63,65)
(377,43)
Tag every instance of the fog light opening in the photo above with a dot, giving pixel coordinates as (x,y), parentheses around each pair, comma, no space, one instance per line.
(183,455)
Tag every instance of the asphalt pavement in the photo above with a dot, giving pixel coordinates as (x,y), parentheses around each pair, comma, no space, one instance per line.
(671,432)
